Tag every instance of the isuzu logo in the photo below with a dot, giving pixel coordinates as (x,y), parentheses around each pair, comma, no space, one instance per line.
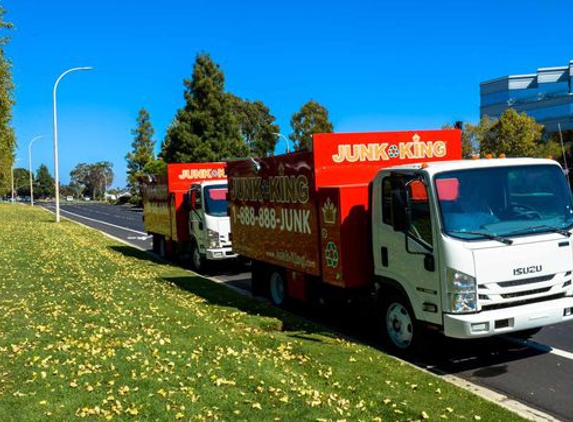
(527,270)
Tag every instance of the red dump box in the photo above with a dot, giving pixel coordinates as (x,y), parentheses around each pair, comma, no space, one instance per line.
(163,210)
(309,212)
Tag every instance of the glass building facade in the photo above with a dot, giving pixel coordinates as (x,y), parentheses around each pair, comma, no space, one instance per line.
(546,95)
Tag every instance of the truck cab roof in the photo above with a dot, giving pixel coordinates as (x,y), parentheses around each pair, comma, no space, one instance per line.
(441,166)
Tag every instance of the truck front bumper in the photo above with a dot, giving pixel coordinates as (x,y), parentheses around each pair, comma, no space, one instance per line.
(508,320)
(217,254)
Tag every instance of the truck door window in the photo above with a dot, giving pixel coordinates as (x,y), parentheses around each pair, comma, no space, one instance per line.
(198,200)
(421,228)
(387,201)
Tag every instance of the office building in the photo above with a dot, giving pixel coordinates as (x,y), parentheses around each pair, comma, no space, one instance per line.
(545,95)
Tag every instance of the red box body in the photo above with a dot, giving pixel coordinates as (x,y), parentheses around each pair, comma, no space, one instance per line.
(163,209)
(309,212)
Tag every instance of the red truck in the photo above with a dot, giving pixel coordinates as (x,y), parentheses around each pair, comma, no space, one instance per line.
(365,215)
(186,212)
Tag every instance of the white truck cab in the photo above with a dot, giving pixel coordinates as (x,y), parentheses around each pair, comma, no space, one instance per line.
(209,224)
(475,247)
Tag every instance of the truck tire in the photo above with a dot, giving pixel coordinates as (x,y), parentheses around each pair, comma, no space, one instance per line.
(277,288)
(155,243)
(259,279)
(402,333)
(197,260)
(160,245)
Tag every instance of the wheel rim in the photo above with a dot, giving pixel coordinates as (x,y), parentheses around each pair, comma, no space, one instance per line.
(399,325)
(277,289)
(196,258)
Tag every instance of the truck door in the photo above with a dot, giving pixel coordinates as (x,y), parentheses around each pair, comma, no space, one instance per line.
(408,257)
(197,217)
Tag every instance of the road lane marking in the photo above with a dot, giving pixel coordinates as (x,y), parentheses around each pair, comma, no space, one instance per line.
(103,222)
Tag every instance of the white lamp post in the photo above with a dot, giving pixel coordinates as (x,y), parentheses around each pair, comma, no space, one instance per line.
(30,169)
(56,173)
(286,140)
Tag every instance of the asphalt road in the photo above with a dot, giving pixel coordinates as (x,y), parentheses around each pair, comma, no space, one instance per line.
(538,373)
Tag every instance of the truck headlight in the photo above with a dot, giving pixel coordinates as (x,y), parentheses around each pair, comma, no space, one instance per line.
(462,292)
(213,238)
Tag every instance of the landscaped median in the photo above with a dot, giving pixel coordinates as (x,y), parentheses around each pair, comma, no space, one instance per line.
(92,328)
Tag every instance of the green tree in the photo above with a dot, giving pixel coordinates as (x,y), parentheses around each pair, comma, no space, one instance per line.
(515,135)
(7,137)
(256,125)
(22,182)
(155,167)
(205,129)
(312,118)
(44,187)
(142,153)
(92,179)
(470,138)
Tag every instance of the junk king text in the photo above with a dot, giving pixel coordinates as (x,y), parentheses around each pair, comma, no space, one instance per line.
(416,149)
(293,189)
(283,219)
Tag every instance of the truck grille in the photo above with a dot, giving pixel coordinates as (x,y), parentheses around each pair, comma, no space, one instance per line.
(521,302)
(526,293)
(514,283)
(505,294)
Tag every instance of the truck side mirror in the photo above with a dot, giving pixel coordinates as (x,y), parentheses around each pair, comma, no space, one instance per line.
(400,209)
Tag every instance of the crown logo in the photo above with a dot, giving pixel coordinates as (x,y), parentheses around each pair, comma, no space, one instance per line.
(329,212)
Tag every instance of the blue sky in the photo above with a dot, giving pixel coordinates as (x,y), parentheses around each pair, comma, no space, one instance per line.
(375,65)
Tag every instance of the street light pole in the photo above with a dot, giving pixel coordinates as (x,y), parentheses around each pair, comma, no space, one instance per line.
(285,138)
(56,172)
(30,169)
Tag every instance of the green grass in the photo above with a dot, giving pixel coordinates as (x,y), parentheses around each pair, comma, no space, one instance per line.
(92,328)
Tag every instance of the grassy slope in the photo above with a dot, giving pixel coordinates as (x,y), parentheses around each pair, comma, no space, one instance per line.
(90,327)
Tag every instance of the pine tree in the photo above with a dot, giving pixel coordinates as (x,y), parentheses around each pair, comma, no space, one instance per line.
(7,136)
(312,118)
(205,129)
(143,151)
(45,183)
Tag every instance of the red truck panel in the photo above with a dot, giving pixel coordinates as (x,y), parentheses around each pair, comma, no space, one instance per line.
(273,211)
(345,240)
(281,207)
(163,208)
(348,158)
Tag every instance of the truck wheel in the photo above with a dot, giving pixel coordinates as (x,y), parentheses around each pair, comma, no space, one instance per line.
(197,260)
(400,326)
(155,243)
(160,246)
(277,288)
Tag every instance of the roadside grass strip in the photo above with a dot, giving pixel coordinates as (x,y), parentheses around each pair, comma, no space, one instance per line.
(91,328)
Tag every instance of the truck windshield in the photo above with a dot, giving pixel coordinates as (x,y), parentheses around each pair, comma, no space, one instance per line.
(504,201)
(216,200)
